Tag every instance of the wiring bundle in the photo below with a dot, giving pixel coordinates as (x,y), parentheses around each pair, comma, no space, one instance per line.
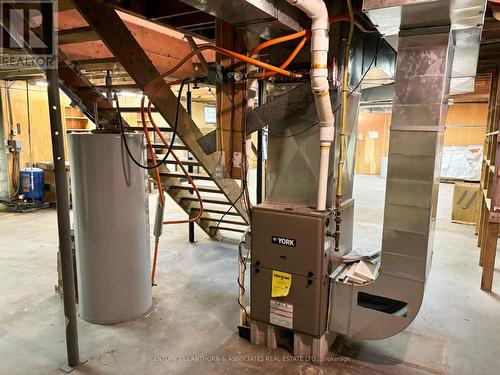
(154,88)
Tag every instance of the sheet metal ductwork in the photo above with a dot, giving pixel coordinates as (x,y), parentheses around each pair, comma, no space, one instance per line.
(293,162)
(421,99)
(267,18)
(382,308)
(465,17)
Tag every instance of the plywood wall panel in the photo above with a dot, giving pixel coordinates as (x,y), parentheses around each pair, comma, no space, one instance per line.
(41,144)
(467,114)
(464,136)
(373,141)
(465,125)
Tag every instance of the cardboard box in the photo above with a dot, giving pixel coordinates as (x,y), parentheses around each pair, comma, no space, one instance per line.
(466,198)
(50,181)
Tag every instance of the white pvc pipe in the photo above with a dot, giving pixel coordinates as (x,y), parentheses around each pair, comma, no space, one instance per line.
(323,175)
(316,10)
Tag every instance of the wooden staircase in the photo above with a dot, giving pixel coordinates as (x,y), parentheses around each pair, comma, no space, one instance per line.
(223,208)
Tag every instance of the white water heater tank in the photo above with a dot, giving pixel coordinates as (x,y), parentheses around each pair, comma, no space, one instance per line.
(111,222)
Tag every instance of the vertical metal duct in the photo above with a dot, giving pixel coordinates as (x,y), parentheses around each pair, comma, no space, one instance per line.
(111,221)
(419,112)
(296,151)
(320,28)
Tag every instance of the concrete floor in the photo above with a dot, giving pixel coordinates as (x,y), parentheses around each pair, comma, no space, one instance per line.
(195,311)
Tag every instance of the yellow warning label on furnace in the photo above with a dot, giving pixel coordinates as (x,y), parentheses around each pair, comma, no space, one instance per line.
(281,284)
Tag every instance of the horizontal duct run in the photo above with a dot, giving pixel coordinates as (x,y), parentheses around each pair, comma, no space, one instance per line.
(465,18)
(264,17)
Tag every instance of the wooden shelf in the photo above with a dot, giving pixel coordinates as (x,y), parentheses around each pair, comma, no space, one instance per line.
(75,119)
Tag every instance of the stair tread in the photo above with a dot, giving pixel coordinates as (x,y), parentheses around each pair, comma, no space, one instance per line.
(206,189)
(215,211)
(140,128)
(225,221)
(161,146)
(208,200)
(123,86)
(171,161)
(218,203)
(195,176)
(131,109)
(228,229)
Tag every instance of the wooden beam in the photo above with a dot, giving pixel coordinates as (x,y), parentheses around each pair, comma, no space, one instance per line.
(200,56)
(121,86)
(238,119)
(224,93)
(118,39)
(229,105)
(489,256)
(63,5)
(495,113)
(104,63)
(72,81)
(162,45)
(77,35)
(490,185)
(83,91)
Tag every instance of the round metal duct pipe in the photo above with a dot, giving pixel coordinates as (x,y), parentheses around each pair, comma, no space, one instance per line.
(111,222)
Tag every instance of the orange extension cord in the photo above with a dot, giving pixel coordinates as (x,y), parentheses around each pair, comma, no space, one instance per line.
(272,70)
(306,34)
(147,90)
(155,257)
(290,58)
(281,39)
(157,174)
(153,95)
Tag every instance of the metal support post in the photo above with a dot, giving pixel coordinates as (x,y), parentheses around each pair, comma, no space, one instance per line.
(62,205)
(63,223)
(190,157)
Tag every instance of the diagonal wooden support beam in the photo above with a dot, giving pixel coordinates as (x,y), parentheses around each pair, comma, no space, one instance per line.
(160,43)
(80,90)
(73,83)
(114,33)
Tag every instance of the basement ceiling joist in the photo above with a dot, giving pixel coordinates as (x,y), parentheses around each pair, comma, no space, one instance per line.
(105,63)
(76,35)
(172,13)
(163,45)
